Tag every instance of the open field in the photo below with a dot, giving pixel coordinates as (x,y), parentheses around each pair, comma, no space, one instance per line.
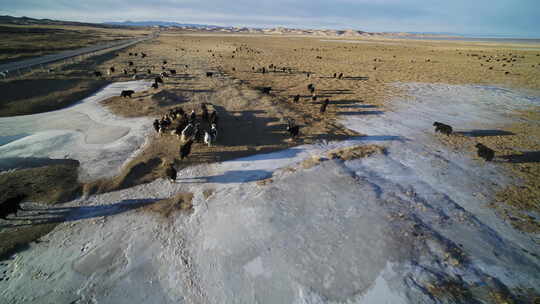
(19,42)
(373,152)
(369,68)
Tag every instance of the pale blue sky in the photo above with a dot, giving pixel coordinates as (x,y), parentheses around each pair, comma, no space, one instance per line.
(510,17)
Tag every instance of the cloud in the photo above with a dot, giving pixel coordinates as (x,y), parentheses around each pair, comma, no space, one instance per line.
(465,16)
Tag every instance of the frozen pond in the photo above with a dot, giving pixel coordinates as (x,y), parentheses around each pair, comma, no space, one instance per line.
(87,132)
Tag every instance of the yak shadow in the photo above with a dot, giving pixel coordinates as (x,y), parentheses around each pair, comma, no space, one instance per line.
(380,138)
(335,91)
(70,214)
(363,78)
(346,101)
(231,177)
(351,113)
(357,107)
(526,157)
(287,153)
(482,133)
(183,77)
(251,128)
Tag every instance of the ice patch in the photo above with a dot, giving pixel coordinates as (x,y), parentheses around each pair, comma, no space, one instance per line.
(373,230)
(87,132)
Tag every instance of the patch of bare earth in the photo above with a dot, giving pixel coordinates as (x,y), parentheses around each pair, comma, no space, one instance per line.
(180,202)
(348,153)
(46,184)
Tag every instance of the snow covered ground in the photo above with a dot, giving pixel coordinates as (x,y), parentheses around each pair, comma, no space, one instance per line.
(391,228)
(86,132)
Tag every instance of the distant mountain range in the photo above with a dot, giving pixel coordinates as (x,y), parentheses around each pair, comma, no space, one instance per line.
(160,23)
(209,28)
(32,21)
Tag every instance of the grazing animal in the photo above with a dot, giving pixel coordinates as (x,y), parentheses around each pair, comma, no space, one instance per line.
(130,63)
(173,72)
(213,132)
(324,105)
(149,71)
(266,90)
(158,80)
(171,172)
(156,125)
(192,116)
(130,54)
(11,206)
(340,75)
(111,70)
(335,75)
(197,134)
(127,93)
(314,98)
(209,74)
(125,71)
(311,88)
(292,128)
(164,62)
(98,74)
(185,149)
(163,74)
(442,128)
(155,85)
(205,116)
(207,138)
(296,98)
(484,152)
(213,117)
(187,132)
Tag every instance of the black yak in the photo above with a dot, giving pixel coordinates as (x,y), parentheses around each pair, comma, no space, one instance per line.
(171,172)
(311,88)
(292,128)
(127,93)
(324,105)
(11,205)
(442,128)
(185,149)
(485,152)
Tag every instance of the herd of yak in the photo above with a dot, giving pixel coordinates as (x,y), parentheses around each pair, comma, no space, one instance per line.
(189,127)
